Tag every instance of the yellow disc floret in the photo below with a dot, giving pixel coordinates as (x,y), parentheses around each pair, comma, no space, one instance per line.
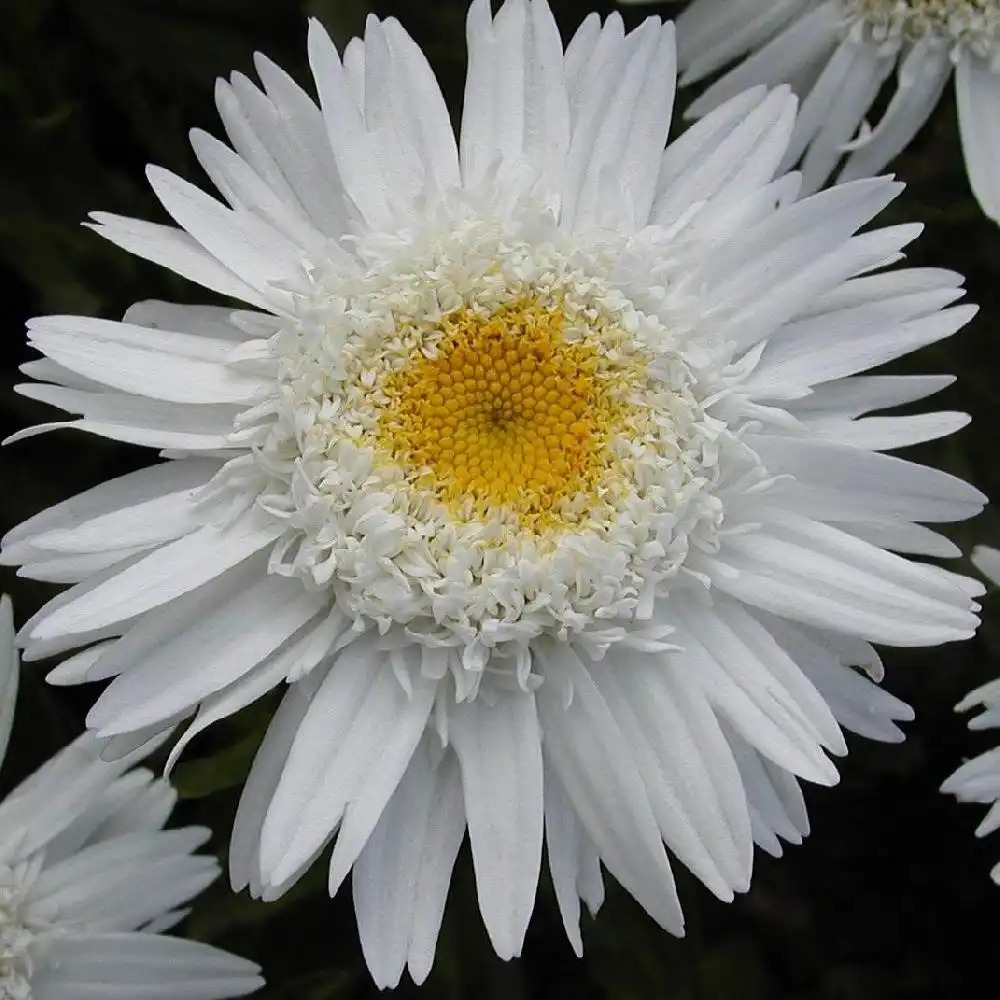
(506,416)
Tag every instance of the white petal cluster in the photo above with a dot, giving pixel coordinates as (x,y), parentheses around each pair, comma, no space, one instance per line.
(89,880)
(978,779)
(481,586)
(838,55)
(654,670)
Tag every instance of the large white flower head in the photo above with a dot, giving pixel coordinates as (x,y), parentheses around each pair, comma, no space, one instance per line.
(541,471)
(837,55)
(978,779)
(89,879)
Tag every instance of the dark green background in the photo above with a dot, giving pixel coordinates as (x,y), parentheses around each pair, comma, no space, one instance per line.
(889,897)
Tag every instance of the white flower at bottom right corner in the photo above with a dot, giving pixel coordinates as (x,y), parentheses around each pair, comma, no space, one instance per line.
(978,779)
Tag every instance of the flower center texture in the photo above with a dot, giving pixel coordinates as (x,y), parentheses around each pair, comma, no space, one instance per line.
(483,439)
(15,940)
(506,417)
(974,24)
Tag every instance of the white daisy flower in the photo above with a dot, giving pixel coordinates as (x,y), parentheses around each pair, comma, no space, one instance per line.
(540,470)
(89,879)
(837,55)
(978,780)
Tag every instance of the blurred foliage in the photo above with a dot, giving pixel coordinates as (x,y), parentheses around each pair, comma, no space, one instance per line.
(889,897)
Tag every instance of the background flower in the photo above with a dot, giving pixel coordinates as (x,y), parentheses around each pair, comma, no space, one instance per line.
(978,780)
(726,937)
(90,880)
(839,55)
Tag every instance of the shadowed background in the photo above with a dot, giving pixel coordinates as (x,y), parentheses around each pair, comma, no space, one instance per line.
(888,898)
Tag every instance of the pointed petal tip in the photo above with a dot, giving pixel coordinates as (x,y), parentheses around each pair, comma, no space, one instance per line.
(263,64)
(827,776)
(726,894)
(837,747)
(743,885)
(966,703)
(6,621)
(987,560)
(949,786)
(278,862)
(251,977)
(9,672)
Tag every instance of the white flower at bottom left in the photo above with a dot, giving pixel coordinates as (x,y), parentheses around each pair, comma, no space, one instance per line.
(89,878)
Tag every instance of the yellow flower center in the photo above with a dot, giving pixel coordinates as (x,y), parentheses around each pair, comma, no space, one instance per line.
(508,415)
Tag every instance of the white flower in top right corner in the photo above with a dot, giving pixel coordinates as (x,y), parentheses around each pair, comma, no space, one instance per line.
(837,55)
(978,780)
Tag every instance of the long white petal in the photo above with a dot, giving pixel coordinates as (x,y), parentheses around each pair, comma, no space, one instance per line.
(401,878)
(573,861)
(499,749)
(978,91)
(360,714)
(922,77)
(212,652)
(165,574)
(688,771)
(589,752)
(139,966)
(9,672)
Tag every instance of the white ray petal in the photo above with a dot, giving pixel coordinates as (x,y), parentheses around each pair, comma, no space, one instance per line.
(747,691)
(687,769)
(139,966)
(165,574)
(977,87)
(817,575)
(401,878)
(733,151)
(133,489)
(214,651)
(177,250)
(294,131)
(800,50)
(571,856)
(353,148)
(360,712)
(923,73)
(258,790)
(499,749)
(587,749)
(987,561)
(9,672)
(840,482)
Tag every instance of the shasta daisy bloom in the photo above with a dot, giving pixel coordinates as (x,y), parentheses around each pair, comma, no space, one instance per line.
(539,468)
(89,879)
(978,780)
(837,55)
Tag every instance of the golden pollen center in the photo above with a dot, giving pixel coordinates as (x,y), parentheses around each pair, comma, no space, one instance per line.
(508,416)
